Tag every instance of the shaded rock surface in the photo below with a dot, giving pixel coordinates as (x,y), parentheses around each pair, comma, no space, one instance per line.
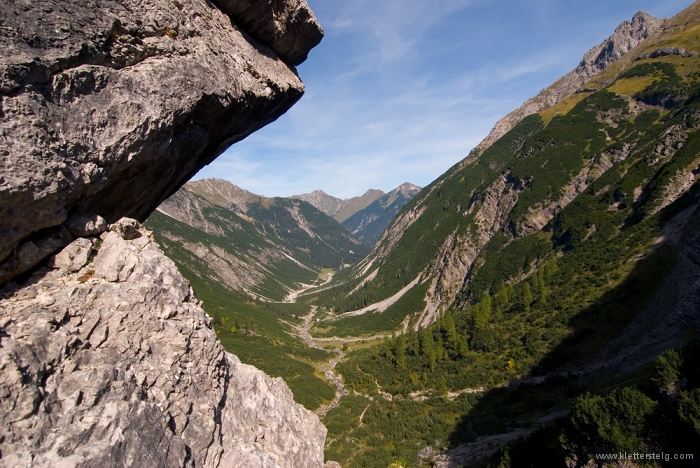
(117,365)
(288,27)
(109,107)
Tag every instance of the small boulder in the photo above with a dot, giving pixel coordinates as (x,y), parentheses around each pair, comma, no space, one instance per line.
(86,225)
(73,257)
(127,228)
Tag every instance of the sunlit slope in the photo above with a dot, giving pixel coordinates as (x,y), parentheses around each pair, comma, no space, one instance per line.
(599,163)
(562,261)
(369,223)
(261,247)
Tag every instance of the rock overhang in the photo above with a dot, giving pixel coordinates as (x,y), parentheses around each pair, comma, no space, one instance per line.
(109,107)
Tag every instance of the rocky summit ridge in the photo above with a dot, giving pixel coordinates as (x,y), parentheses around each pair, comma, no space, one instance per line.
(340,209)
(107,108)
(626,36)
(369,223)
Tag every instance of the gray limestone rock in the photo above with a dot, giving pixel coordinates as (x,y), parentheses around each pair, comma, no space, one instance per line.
(288,27)
(73,257)
(118,365)
(126,228)
(108,107)
(33,251)
(85,225)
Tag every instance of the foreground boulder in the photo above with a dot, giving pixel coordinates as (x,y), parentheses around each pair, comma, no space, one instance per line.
(116,364)
(107,107)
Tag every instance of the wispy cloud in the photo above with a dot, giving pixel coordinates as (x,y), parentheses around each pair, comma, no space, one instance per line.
(400,90)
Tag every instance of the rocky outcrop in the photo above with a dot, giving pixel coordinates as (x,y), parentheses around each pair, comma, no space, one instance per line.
(452,263)
(628,35)
(108,107)
(287,27)
(107,359)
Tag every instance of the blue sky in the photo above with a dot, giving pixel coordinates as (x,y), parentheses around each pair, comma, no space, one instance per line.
(400,90)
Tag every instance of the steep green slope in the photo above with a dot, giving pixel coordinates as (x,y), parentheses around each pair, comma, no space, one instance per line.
(561,261)
(261,247)
(314,237)
(518,185)
(257,332)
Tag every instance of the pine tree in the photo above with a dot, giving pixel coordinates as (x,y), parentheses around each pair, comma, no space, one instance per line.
(482,312)
(428,349)
(541,289)
(413,340)
(442,389)
(439,349)
(502,298)
(401,352)
(450,330)
(526,297)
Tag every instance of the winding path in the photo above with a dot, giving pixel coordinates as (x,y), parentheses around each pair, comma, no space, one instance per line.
(329,371)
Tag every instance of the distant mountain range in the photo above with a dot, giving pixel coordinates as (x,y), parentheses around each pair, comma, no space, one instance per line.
(366,216)
(369,223)
(262,247)
(338,208)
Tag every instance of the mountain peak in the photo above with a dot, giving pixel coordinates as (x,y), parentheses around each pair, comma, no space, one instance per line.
(336,207)
(369,223)
(627,35)
(223,192)
(408,187)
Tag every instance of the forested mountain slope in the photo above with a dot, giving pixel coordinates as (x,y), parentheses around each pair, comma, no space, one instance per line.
(622,148)
(562,260)
(262,247)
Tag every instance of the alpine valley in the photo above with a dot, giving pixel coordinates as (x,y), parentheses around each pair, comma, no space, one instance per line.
(536,305)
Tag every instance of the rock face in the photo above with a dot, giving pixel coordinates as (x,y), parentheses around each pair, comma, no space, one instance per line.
(108,360)
(107,107)
(288,27)
(628,35)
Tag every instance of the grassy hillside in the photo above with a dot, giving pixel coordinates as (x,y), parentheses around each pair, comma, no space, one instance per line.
(243,264)
(577,235)
(254,331)
(291,222)
(544,164)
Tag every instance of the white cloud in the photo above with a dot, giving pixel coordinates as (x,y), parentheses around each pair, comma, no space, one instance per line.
(400,90)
